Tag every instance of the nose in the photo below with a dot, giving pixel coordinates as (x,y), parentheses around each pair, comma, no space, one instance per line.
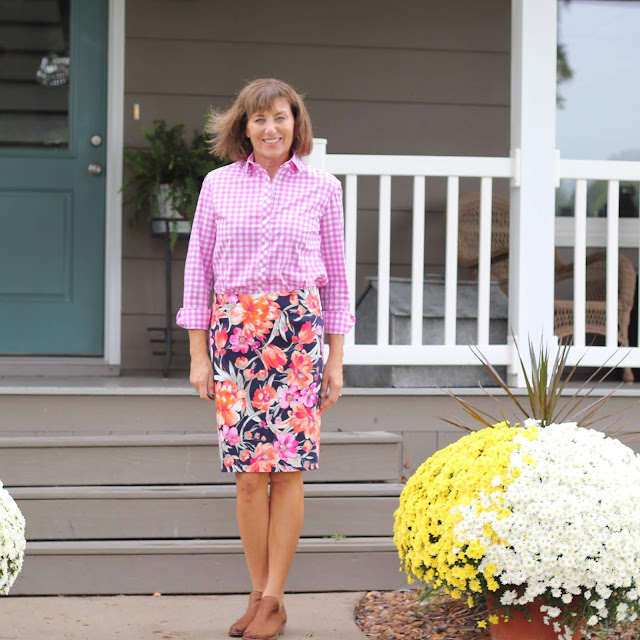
(270,126)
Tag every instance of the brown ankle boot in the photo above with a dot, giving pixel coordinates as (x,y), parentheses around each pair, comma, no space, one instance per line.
(239,626)
(270,621)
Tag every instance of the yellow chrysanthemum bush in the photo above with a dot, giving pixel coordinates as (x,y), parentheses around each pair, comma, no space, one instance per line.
(542,512)
(462,474)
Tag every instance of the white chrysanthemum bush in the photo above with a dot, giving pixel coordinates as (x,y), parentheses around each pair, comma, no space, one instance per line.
(12,541)
(538,512)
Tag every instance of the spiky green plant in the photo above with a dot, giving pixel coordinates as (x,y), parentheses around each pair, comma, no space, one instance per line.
(545,384)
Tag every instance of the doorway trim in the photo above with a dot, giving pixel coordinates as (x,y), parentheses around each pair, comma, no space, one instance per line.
(113,219)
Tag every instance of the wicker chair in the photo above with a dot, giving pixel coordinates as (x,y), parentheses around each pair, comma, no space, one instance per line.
(595,322)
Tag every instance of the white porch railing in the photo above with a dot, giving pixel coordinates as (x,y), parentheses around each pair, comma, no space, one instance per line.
(611,233)
(578,232)
(419,168)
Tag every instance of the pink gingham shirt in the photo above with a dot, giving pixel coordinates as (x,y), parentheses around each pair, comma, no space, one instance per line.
(252,235)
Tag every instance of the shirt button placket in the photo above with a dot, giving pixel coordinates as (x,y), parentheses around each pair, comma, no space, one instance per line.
(264,235)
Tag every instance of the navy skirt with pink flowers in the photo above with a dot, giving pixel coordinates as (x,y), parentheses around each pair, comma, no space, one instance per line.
(266,351)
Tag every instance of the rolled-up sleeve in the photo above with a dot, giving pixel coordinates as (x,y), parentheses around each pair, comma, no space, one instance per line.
(198,271)
(335,294)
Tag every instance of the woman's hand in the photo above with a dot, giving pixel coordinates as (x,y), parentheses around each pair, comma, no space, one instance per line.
(332,380)
(201,375)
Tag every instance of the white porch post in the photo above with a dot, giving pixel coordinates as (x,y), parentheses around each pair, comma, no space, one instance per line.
(317,157)
(533,135)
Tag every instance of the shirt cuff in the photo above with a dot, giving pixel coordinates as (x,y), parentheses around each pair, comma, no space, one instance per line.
(199,318)
(337,321)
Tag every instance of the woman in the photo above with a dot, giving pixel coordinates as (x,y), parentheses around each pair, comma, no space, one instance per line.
(268,236)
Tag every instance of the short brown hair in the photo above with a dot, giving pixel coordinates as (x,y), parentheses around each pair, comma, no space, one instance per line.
(227,129)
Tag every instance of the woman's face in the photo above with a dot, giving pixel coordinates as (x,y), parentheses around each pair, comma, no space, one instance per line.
(271,132)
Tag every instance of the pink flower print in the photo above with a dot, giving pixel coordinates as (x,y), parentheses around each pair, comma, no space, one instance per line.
(249,374)
(226,298)
(287,396)
(242,362)
(264,398)
(309,395)
(300,370)
(229,401)
(304,419)
(220,339)
(228,461)
(262,374)
(313,304)
(293,298)
(230,434)
(239,341)
(216,314)
(306,335)
(286,446)
(244,455)
(274,357)
(265,457)
(307,446)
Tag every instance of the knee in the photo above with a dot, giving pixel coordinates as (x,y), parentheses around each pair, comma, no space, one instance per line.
(290,481)
(252,486)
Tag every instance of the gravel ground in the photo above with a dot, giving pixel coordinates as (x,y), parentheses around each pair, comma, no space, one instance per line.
(398,615)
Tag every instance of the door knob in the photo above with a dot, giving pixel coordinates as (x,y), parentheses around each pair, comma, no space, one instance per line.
(95,169)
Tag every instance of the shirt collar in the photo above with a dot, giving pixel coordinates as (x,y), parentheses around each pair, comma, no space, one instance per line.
(293,162)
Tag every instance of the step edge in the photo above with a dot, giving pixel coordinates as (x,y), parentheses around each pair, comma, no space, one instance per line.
(212,491)
(201,546)
(193,439)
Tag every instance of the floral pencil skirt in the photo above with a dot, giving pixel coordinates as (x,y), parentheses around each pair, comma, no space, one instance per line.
(266,351)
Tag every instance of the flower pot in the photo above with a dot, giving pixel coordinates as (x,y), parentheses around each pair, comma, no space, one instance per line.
(518,627)
(164,214)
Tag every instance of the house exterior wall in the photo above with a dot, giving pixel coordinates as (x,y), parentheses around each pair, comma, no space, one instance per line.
(424,78)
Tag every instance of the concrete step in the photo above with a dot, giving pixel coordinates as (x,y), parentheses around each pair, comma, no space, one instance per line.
(178,459)
(200,566)
(202,511)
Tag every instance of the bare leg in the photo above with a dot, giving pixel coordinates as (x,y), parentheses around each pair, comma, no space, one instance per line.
(252,508)
(286,515)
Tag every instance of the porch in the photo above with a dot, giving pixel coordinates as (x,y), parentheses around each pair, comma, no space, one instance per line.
(120,471)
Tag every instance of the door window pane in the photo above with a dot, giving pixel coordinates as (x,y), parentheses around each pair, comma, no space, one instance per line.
(34,73)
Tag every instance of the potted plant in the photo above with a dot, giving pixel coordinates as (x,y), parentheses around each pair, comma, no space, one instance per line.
(166,178)
(12,541)
(538,517)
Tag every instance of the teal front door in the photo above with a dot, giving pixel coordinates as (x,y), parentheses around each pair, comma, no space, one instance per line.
(53,95)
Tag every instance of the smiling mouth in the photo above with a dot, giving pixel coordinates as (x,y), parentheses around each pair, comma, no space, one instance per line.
(271,140)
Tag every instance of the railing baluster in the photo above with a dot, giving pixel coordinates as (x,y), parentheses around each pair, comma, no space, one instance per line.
(484,261)
(350,241)
(579,264)
(613,207)
(417,259)
(451,262)
(384,259)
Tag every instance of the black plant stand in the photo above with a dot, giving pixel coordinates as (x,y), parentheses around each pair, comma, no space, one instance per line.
(171,335)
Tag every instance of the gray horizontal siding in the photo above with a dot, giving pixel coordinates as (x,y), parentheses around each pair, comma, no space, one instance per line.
(345,74)
(465,25)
